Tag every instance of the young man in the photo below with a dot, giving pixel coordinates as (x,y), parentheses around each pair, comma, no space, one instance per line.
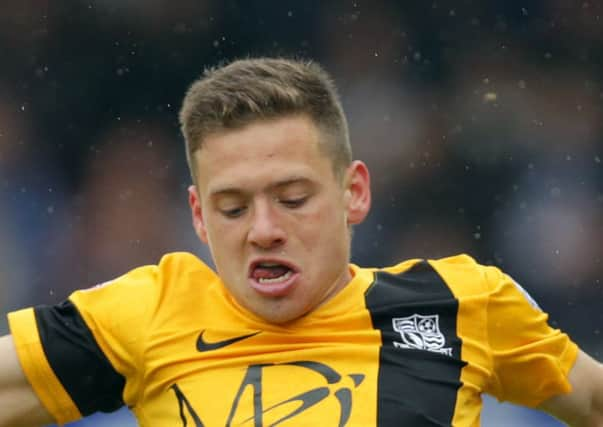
(286,331)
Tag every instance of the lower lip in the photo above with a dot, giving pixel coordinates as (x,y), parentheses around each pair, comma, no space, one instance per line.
(274,289)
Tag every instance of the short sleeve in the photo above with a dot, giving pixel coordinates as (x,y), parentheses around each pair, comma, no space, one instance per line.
(82,355)
(531,360)
(39,373)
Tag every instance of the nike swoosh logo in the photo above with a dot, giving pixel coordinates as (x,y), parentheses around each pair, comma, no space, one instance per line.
(203,345)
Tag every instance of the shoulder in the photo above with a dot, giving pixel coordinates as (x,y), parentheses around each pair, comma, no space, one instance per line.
(172,267)
(472,281)
(460,262)
(467,276)
(183,262)
(461,273)
(141,290)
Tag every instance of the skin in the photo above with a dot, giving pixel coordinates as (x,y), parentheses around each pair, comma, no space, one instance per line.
(252,219)
(19,405)
(267,193)
(583,406)
(255,218)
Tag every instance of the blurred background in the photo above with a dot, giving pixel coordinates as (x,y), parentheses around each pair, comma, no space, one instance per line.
(481,122)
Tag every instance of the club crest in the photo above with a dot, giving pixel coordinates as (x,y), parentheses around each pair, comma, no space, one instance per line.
(420,333)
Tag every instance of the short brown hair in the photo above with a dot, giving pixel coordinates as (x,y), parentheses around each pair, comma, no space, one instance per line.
(247,90)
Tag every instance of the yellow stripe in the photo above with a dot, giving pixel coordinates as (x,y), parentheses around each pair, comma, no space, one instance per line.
(468,403)
(472,303)
(44,382)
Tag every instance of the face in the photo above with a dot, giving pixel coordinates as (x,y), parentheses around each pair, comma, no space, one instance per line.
(275,217)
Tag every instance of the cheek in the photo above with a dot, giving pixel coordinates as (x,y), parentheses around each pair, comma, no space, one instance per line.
(223,247)
(222,236)
(325,225)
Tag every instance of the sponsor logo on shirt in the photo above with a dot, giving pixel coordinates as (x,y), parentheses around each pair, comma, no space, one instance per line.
(203,345)
(257,401)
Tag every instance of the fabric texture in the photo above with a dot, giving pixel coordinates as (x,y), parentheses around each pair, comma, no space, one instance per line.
(416,343)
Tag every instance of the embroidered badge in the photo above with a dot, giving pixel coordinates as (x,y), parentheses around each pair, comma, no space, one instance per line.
(420,332)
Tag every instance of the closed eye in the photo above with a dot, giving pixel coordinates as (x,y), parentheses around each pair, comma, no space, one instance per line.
(233,213)
(294,203)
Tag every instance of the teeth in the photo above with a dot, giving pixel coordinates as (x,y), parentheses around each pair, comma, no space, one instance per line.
(276,279)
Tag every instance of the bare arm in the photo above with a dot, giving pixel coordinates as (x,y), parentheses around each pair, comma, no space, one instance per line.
(583,406)
(19,406)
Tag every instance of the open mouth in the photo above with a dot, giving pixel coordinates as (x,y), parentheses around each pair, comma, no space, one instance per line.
(272,278)
(268,272)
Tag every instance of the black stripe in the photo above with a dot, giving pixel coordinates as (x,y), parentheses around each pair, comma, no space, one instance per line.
(77,360)
(417,386)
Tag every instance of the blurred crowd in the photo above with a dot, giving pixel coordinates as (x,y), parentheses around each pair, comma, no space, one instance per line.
(481,123)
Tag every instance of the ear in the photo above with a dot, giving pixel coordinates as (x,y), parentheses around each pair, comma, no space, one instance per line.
(197,213)
(357,192)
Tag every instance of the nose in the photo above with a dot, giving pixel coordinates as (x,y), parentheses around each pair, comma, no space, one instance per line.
(266,231)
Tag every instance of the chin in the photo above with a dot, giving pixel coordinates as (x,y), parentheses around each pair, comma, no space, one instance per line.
(280,317)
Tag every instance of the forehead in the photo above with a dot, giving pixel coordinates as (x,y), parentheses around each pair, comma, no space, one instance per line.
(260,154)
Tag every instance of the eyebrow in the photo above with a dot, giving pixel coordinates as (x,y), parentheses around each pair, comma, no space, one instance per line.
(226,190)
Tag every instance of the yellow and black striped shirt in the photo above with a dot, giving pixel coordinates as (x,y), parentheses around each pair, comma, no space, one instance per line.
(415,344)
